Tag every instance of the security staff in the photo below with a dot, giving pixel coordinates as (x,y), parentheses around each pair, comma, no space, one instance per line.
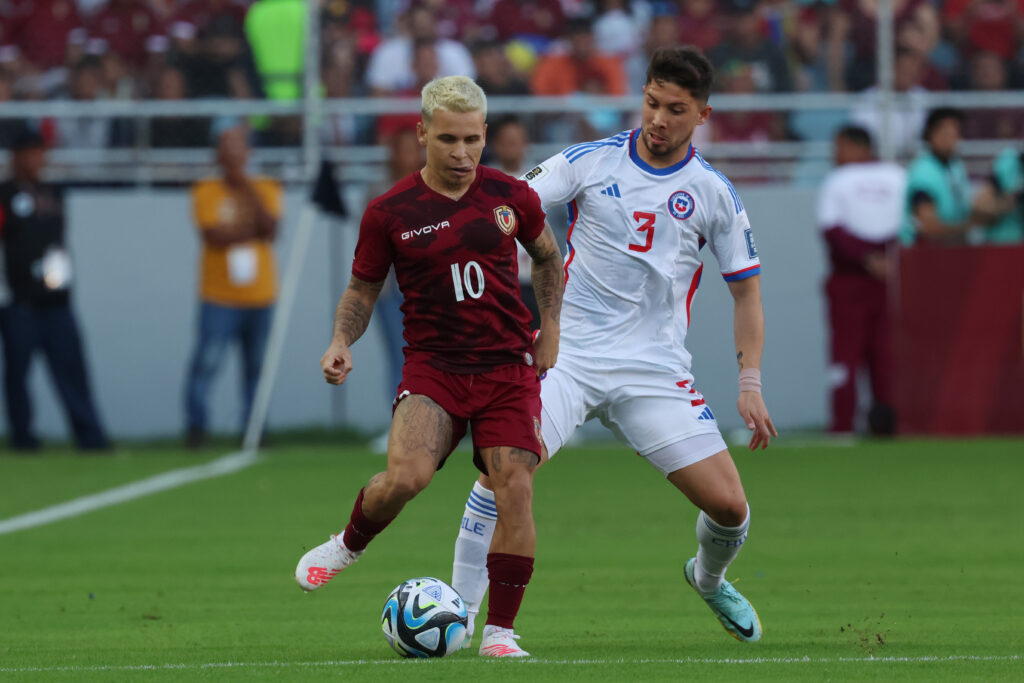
(38,315)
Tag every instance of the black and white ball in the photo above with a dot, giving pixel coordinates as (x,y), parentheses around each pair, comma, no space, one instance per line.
(424,617)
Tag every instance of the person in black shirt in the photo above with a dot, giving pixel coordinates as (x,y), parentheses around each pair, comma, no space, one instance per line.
(38,315)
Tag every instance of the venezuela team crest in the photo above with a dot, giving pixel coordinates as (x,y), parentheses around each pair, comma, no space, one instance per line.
(505,219)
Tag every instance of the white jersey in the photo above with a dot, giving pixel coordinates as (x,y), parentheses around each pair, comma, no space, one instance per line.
(866,200)
(635,236)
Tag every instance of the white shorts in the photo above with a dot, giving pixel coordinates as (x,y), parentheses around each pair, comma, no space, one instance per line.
(656,412)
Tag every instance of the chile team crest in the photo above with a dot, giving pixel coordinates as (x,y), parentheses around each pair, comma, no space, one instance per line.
(681,205)
(505,219)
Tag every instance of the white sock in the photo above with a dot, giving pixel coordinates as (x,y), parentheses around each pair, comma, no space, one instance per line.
(469,571)
(718,547)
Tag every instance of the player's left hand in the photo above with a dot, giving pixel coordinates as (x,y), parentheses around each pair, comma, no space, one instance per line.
(755,414)
(545,349)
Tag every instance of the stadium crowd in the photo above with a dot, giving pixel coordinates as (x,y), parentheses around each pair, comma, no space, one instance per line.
(178,49)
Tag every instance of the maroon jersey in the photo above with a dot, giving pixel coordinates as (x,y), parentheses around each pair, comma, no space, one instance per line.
(455,262)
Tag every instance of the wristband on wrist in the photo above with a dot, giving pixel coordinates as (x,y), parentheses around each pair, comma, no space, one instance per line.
(750,380)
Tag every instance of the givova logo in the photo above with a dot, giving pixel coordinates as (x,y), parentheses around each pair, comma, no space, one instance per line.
(416,232)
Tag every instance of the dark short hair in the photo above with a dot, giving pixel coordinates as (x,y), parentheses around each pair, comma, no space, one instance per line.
(937,116)
(855,134)
(27,138)
(684,65)
(495,127)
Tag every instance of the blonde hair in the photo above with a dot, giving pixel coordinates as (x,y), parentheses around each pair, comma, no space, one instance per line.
(458,94)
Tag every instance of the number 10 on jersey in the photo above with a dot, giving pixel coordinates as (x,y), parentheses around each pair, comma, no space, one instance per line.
(468,280)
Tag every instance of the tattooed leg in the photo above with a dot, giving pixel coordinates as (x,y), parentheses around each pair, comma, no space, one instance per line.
(511,473)
(421,434)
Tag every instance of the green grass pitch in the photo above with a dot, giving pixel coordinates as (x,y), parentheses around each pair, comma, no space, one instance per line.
(882,561)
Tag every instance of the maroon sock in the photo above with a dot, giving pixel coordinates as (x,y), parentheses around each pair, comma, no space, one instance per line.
(361,529)
(508,575)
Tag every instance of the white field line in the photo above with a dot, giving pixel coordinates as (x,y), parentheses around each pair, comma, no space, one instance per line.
(562,662)
(233,462)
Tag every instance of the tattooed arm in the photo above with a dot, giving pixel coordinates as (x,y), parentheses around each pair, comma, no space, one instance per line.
(748,329)
(548,284)
(350,321)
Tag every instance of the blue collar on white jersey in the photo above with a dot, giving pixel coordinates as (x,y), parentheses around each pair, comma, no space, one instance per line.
(668,170)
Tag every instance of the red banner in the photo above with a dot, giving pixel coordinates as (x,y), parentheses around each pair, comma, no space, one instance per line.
(959,340)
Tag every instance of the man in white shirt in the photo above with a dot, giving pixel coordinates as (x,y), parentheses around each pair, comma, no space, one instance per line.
(642,204)
(860,210)
(390,69)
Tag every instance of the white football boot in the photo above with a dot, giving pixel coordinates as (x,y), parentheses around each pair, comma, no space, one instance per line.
(500,642)
(323,563)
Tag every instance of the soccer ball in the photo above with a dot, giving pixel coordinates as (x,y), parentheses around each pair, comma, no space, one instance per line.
(424,617)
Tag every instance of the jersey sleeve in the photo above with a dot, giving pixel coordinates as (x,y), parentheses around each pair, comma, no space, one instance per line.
(730,238)
(532,216)
(374,253)
(555,180)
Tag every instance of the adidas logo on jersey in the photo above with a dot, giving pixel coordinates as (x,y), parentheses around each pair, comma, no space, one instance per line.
(612,191)
(706,414)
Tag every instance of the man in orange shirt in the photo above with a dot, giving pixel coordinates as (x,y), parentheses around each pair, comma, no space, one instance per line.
(237,218)
(580,69)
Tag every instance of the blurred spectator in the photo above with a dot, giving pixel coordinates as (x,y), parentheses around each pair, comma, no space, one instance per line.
(738,78)
(700,23)
(456,19)
(985,26)
(852,38)
(860,210)
(41,30)
(177,131)
(664,32)
(338,72)
(988,72)
(744,43)
(392,69)
(508,143)
(91,132)
(131,29)
(38,318)
(1001,199)
(620,27)
(222,65)
(9,128)
(426,67)
(536,21)
(495,73)
(117,81)
(276,30)
(907,115)
(237,217)
(938,189)
(580,68)
(354,25)
(196,16)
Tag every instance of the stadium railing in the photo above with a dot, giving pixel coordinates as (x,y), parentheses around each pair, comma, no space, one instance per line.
(771,161)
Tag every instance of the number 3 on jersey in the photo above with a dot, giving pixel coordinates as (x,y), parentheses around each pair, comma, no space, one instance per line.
(647,220)
(468,280)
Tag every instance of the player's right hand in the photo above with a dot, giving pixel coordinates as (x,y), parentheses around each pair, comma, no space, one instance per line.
(336,362)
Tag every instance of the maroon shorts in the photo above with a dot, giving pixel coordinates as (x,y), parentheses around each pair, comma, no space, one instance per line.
(502,406)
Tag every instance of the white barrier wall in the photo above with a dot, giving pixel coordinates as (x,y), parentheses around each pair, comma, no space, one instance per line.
(136,256)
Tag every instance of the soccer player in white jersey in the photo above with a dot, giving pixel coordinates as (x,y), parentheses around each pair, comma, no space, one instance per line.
(642,204)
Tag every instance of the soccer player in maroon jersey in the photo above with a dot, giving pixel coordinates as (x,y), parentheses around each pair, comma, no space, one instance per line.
(450,231)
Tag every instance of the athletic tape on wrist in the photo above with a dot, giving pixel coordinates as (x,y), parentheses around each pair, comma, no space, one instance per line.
(750,380)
